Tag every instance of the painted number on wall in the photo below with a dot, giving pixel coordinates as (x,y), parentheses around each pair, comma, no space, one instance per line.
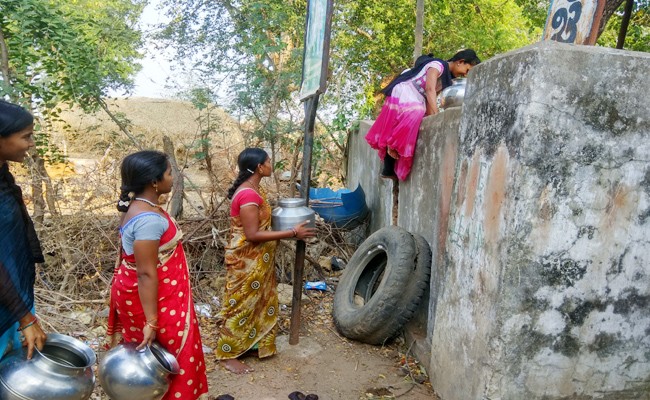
(573,21)
(565,22)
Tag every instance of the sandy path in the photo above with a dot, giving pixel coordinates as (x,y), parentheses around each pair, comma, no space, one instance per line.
(323,363)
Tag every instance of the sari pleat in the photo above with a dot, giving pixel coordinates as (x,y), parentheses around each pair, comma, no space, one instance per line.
(19,250)
(178,326)
(250,302)
(398,125)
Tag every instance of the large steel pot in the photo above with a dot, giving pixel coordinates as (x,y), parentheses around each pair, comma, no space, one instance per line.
(291,212)
(61,371)
(453,96)
(126,373)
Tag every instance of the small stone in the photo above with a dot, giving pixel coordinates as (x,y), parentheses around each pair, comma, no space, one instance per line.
(285,294)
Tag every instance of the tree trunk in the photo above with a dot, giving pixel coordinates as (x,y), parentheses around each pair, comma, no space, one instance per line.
(38,165)
(40,176)
(419,29)
(295,166)
(4,59)
(205,149)
(176,210)
(610,8)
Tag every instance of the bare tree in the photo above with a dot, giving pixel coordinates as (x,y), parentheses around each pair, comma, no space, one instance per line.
(419,29)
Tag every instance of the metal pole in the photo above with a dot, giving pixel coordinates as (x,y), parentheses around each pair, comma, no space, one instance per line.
(311,105)
(625,22)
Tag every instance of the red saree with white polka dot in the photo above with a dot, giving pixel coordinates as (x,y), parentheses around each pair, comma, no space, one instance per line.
(179,329)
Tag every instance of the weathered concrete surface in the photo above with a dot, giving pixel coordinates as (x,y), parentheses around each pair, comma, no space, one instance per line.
(547,285)
(423,204)
(537,210)
(363,169)
(423,208)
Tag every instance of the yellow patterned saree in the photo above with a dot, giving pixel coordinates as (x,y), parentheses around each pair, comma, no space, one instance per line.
(250,302)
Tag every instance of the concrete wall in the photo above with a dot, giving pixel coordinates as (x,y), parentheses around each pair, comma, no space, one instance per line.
(423,208)
(363,169)
(537,211)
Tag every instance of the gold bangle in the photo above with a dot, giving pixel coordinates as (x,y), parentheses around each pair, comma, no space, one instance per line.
(152,326)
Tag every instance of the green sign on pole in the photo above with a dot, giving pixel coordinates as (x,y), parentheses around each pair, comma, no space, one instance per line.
(317,46)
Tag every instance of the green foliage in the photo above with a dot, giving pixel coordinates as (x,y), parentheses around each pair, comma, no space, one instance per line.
(69,52)
(374,39)
(207,121)
(535,11)
(256,46)
(638,32)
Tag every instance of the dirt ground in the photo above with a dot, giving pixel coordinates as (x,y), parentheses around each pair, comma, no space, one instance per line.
(323,363)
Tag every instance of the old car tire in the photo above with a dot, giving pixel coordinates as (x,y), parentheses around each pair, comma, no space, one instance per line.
(382,285)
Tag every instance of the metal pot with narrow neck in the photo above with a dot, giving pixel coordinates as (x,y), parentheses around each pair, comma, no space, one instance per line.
(126,373)
(62,370)
(291,212)
(453,96)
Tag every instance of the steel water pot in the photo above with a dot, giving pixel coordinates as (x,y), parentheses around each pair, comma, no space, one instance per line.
(290,212)
(62,370)
(126,373)
(453,96)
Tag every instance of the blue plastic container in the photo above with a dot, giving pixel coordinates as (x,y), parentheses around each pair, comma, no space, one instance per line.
(342,208)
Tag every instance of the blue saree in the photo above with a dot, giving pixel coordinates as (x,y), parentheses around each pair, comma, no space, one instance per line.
(19,250)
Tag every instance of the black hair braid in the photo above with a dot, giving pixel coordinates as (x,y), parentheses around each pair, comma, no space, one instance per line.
(243,175)
(138,170)
(125,200)
(247,161)
(127,193)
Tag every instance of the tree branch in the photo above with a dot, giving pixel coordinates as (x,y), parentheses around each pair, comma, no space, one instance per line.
(178,185)
(363,33)
(4,59)
(610,8)
(329,132)
(119,123)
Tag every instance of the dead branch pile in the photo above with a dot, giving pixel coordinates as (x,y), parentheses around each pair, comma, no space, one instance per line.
(78,223)
(73,285)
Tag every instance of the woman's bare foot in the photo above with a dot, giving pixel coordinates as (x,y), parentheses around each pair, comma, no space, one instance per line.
(235,366)
(251,353)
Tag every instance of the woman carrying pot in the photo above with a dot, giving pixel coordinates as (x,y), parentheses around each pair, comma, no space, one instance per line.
(19,245)
(250,301)
(410,97)
(151,297)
